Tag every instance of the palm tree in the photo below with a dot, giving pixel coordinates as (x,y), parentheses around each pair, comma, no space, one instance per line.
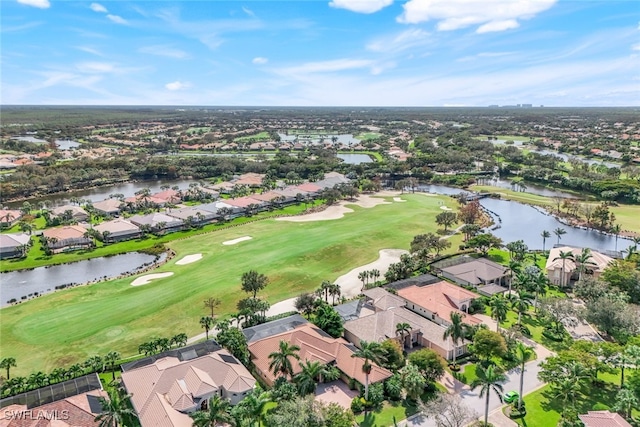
(582,261)
(212,303)
(334,291)
(281,359)
(488,379)
(538,285)
(110,359)
(521,303)
(616,229)
(564,256)
(309,377)
(523,353)
(402,329)
(559,232)
(499,309)
(8,363)
(252,406)
(457,331)
(218,413)
(206,322)
(515,267)
(370,352)
(116,410)
(545,235)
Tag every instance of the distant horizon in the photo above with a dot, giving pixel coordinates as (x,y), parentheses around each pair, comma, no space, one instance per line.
(488,107)
(387,53)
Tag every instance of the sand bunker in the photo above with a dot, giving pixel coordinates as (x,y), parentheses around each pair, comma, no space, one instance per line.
(146,279)
(445,208)
(238,240)
(337,211)
(398,199)
(189,259)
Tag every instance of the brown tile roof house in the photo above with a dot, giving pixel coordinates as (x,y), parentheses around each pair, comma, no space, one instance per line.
(69,237)
(8,217)
(315,345)
(74,411)
(476,272)
(597,263)
(169,196)
(155,220)
(309,187)
(198,216)
(244,202)
(603,419)
(438,301)
(266,197)
(251,179)
(118,229)
(108,207)
(166,391)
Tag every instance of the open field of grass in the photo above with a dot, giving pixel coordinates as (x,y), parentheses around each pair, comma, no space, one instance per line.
(626,215)
(262,136)
(544,411)
(368,135)
(68,326)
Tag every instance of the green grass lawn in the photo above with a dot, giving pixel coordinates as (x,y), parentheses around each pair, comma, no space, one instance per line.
(385,416)
(68,326)
(262,136)
(368,135)
(544,411)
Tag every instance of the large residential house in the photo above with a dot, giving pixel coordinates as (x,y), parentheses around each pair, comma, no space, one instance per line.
(108,207)
(118,230)
(166,388)
(485,275)
(67,238)
(194,214)
(8,217)
(315,345)
(382,312)
(76,212)
(13,245)
(438,301)
(158,222)
(596,265)
(603,419)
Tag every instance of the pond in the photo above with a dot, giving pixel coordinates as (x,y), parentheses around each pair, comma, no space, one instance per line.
(355,159)
(517,221)
(30,139)
(529,188)
(66,144)
(567,157)
(20,284)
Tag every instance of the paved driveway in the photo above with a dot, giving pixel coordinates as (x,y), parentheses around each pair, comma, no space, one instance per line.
(335,392)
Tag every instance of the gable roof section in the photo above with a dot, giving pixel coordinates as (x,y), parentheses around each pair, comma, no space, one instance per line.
(601,261)
(383,299)
(64,233)
(117,226)
(14,240)
(439,298)
(603,419)
(108,205)
(476,271)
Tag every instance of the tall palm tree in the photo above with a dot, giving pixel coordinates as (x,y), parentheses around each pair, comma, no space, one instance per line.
(402,329)
(370,352)
(206,322)
(545,235)
(521,303)
(8,363)
(218,413)
(334,291)
(309,376)
(616,229)
(281,359)
(564,256)
(457,331)
(582,261)
(110,360)
(515,267)
(116,410)
(499,309)
(538,285)
(252,406)
(523,353)
(488,379)
(559,232)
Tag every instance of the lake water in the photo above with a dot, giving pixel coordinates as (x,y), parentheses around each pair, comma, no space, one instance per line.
(530,188)
(66,144)
(19,284)
(30,139)
(355,159)
(518,221)
(100,193)
(567,157)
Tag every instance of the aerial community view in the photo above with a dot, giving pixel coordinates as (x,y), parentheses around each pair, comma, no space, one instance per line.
(328,213)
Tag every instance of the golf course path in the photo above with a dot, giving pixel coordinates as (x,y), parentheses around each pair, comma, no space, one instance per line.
(147,278)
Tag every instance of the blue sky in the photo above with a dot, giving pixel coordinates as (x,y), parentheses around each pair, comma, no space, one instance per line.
(321,53)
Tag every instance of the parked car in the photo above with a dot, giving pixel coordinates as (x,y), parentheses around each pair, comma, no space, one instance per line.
(510,397)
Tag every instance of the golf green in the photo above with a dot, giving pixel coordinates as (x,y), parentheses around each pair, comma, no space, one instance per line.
(69,326)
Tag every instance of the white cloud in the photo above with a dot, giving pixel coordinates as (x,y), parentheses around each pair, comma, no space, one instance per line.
(164,50)
(399,42)
(95,67)
(326,66)
(97,7)
(493,15)
(177,85)
(495,26)
(117,19)
(41,4)
(361,6)
(635,46)
(248,11)
(260,60)
(89,50)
